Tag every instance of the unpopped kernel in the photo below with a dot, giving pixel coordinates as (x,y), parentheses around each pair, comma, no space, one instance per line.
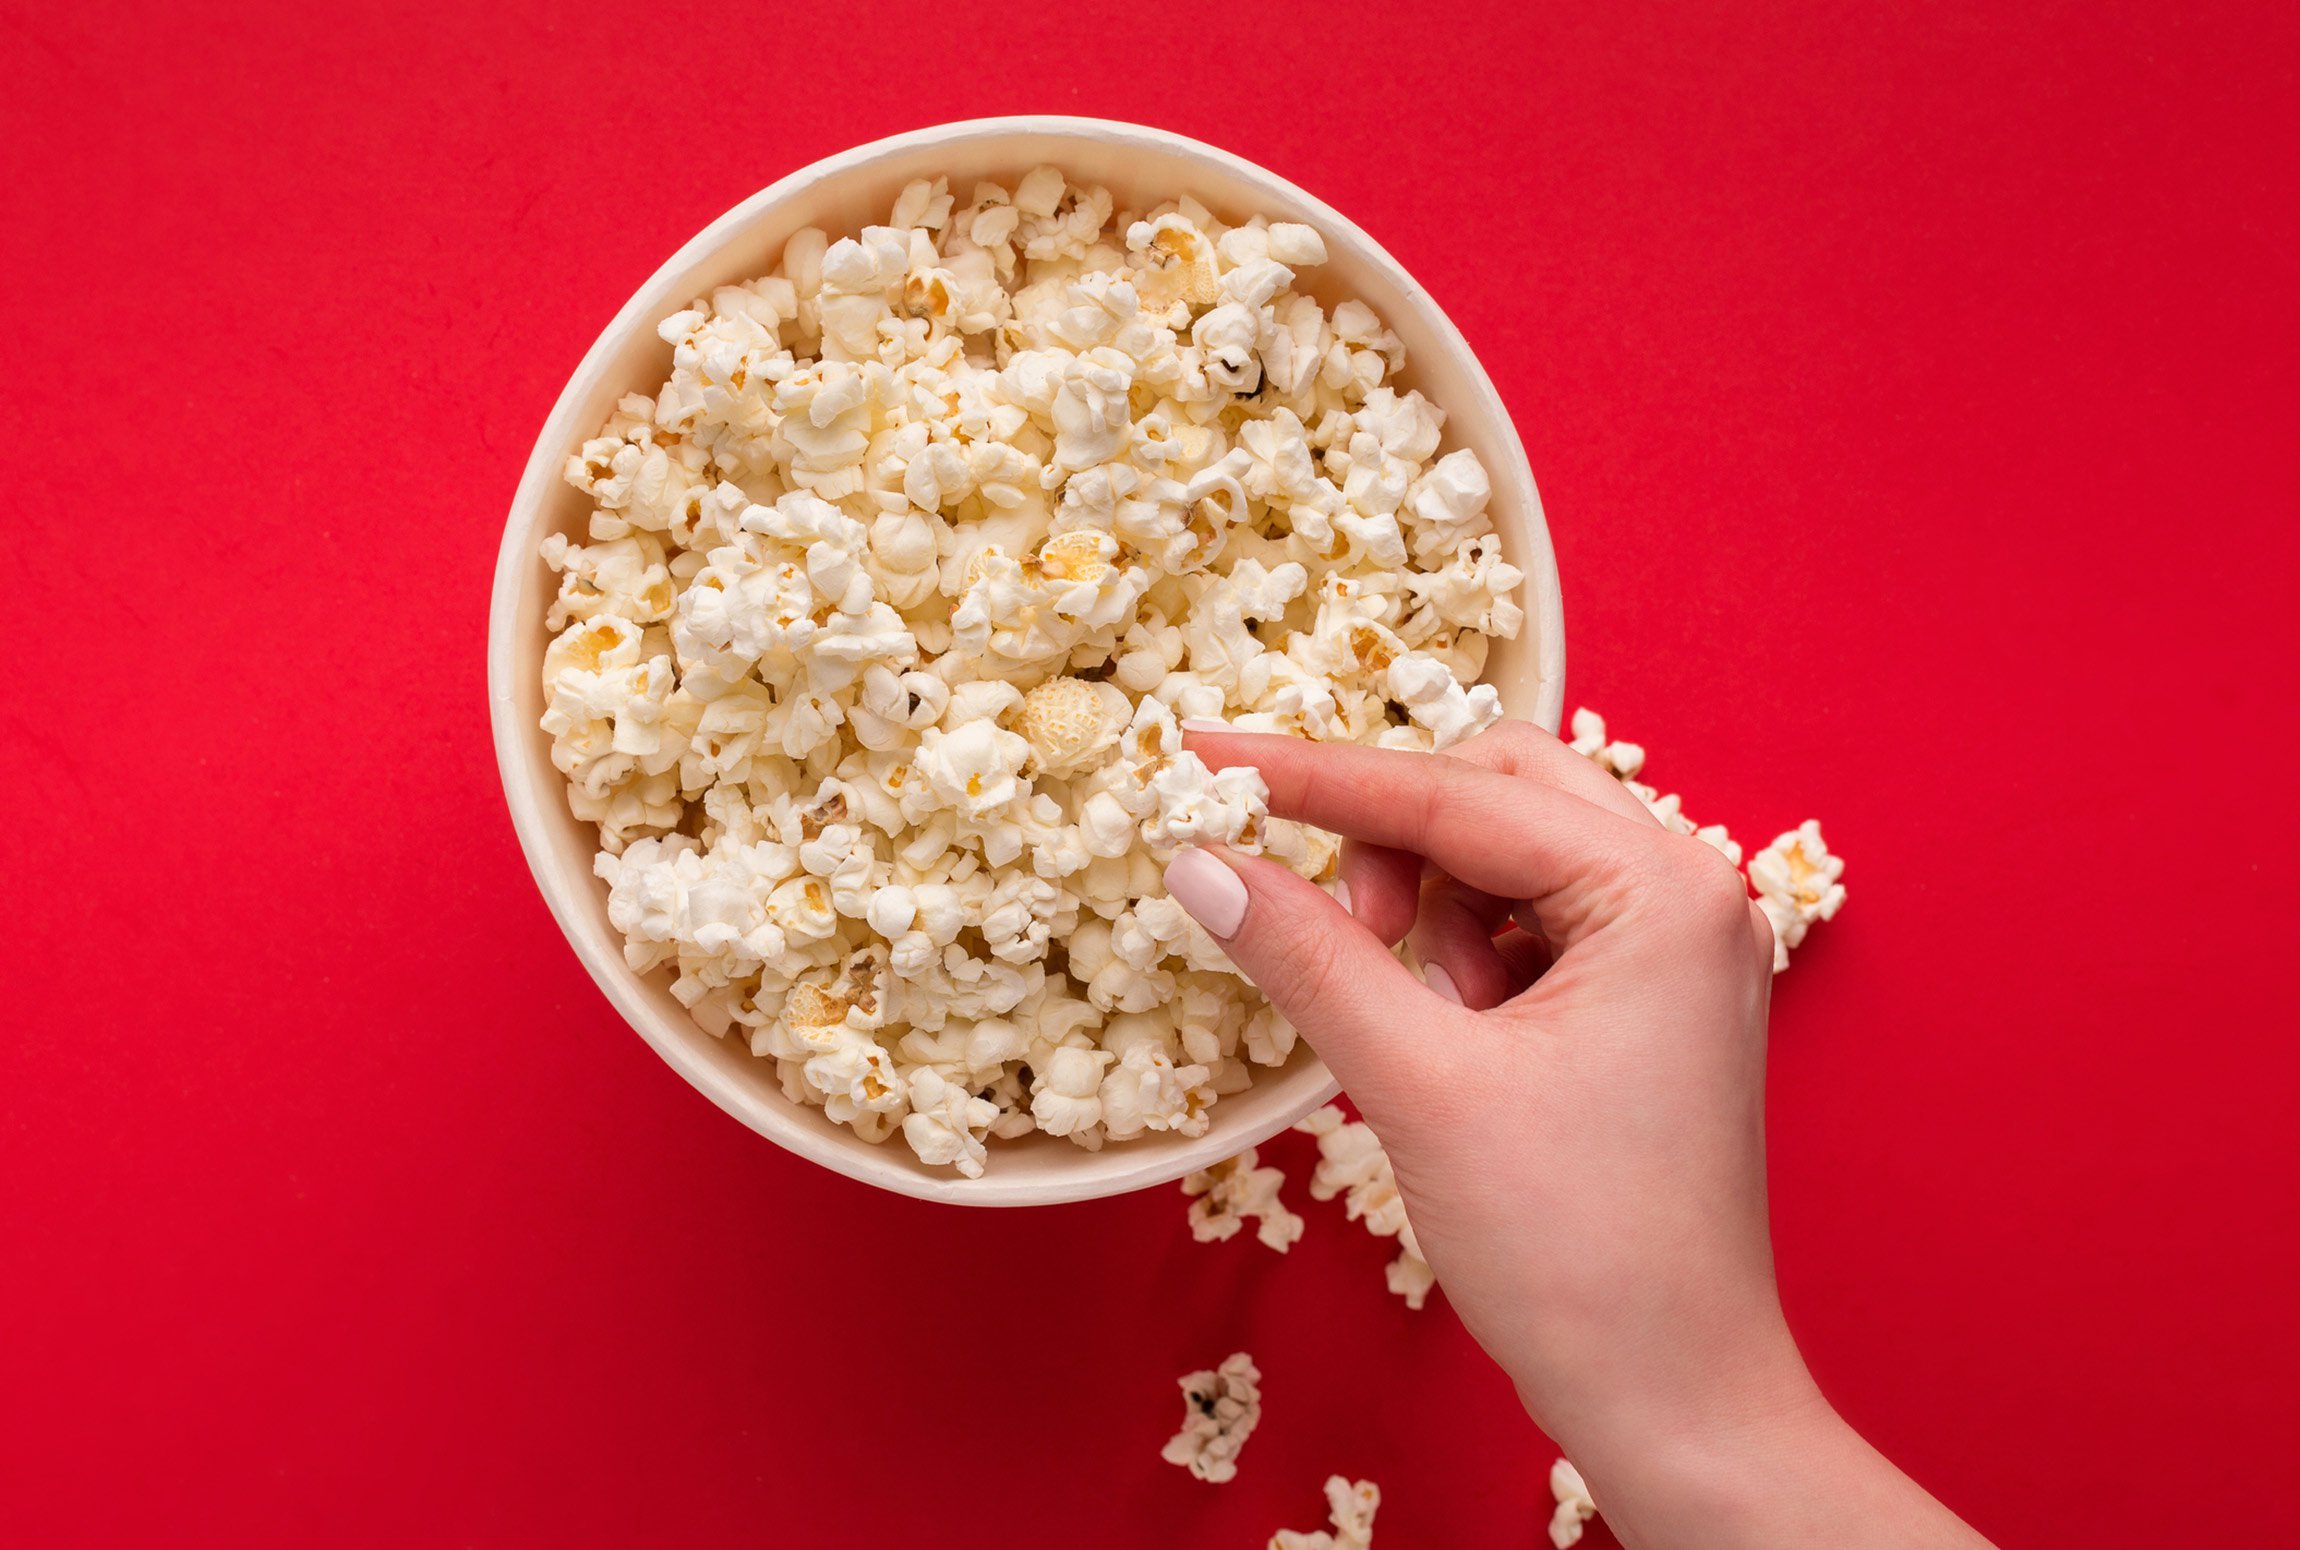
(893,596)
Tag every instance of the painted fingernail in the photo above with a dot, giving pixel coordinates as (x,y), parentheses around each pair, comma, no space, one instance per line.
(1210,891)
(1204,724)
(1435,976)
(1342,894)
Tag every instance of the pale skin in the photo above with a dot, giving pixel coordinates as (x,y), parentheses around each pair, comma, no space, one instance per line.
(1575,1109)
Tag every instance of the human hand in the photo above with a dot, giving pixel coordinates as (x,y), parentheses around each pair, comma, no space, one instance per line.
(1574,1107)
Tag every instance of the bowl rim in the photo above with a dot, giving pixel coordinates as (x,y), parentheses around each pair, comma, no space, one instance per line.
(1117,1172)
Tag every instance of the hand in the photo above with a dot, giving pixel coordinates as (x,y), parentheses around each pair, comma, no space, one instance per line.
(1574,1104)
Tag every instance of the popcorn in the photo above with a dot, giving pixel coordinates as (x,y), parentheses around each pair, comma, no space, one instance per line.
(1178,261)
(946,1122)
(1574,1508)
(975,770)
(1446,505)
(1351,1163)
(1473,590)
(1350,1507)
(1070,723)
(1797,884)
(1146,1091)
(1066,1097)
(1225,340)
(870,659)
(1092,423)
(638,482)
(1295,245)
(856,1076)
(1436,699)
(1623,761)
(627,577)
(1220,1409)
(1198,806)
(1269,1037)
(1018,916)
(1225,1196)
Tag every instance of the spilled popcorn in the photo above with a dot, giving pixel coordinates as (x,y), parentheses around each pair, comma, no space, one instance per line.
(1796,882)
(1228,1195)
(1349,1507)
(1796,877)
(1220,1409)
(1574,1508)
(1352,1164)
(871,670)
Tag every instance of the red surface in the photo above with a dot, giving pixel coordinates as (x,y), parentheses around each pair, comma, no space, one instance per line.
(1913,399)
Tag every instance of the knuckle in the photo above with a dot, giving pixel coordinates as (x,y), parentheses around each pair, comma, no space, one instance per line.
(1454,789)
(1708,889)
(1508,737)
(1433,796)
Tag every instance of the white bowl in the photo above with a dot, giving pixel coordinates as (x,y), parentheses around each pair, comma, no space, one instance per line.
(1142,167)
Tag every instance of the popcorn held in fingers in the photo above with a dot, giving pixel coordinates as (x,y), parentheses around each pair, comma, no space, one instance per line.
(1220,1409)
(1797,884)
(1350,1508)
(1352,1164)
(1228,1195)
(870,663)
(1574,1508)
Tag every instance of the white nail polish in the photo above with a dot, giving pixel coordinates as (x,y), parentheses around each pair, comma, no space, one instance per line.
(1435,976)
(1209,890)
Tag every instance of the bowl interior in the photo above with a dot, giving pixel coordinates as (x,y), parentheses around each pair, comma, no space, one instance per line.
(1142,168)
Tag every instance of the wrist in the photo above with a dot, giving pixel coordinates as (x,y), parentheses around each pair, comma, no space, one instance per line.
(1712,1456)
(1767,1466)
(1732,1480)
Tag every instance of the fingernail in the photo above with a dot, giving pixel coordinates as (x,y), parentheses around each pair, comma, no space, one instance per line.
(1203,724)
(1342,894)
(1435,976)
(1210,891)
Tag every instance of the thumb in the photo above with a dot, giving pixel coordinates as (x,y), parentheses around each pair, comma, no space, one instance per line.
(1364,1012)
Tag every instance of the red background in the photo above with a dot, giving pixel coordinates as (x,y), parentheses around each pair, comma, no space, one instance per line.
(1912,396)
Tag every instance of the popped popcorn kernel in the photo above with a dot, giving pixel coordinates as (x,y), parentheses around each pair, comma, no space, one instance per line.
(1231,1193)
(1069,723)
(1796,878)
(1220,1409)
(1574,1508)
(1350,1508)
(1352,1164)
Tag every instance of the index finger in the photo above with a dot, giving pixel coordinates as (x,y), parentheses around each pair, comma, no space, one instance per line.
(1521,748)
(1386,885)
(1521,839)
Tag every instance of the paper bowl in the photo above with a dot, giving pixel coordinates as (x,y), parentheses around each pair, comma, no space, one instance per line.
(1141,167)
